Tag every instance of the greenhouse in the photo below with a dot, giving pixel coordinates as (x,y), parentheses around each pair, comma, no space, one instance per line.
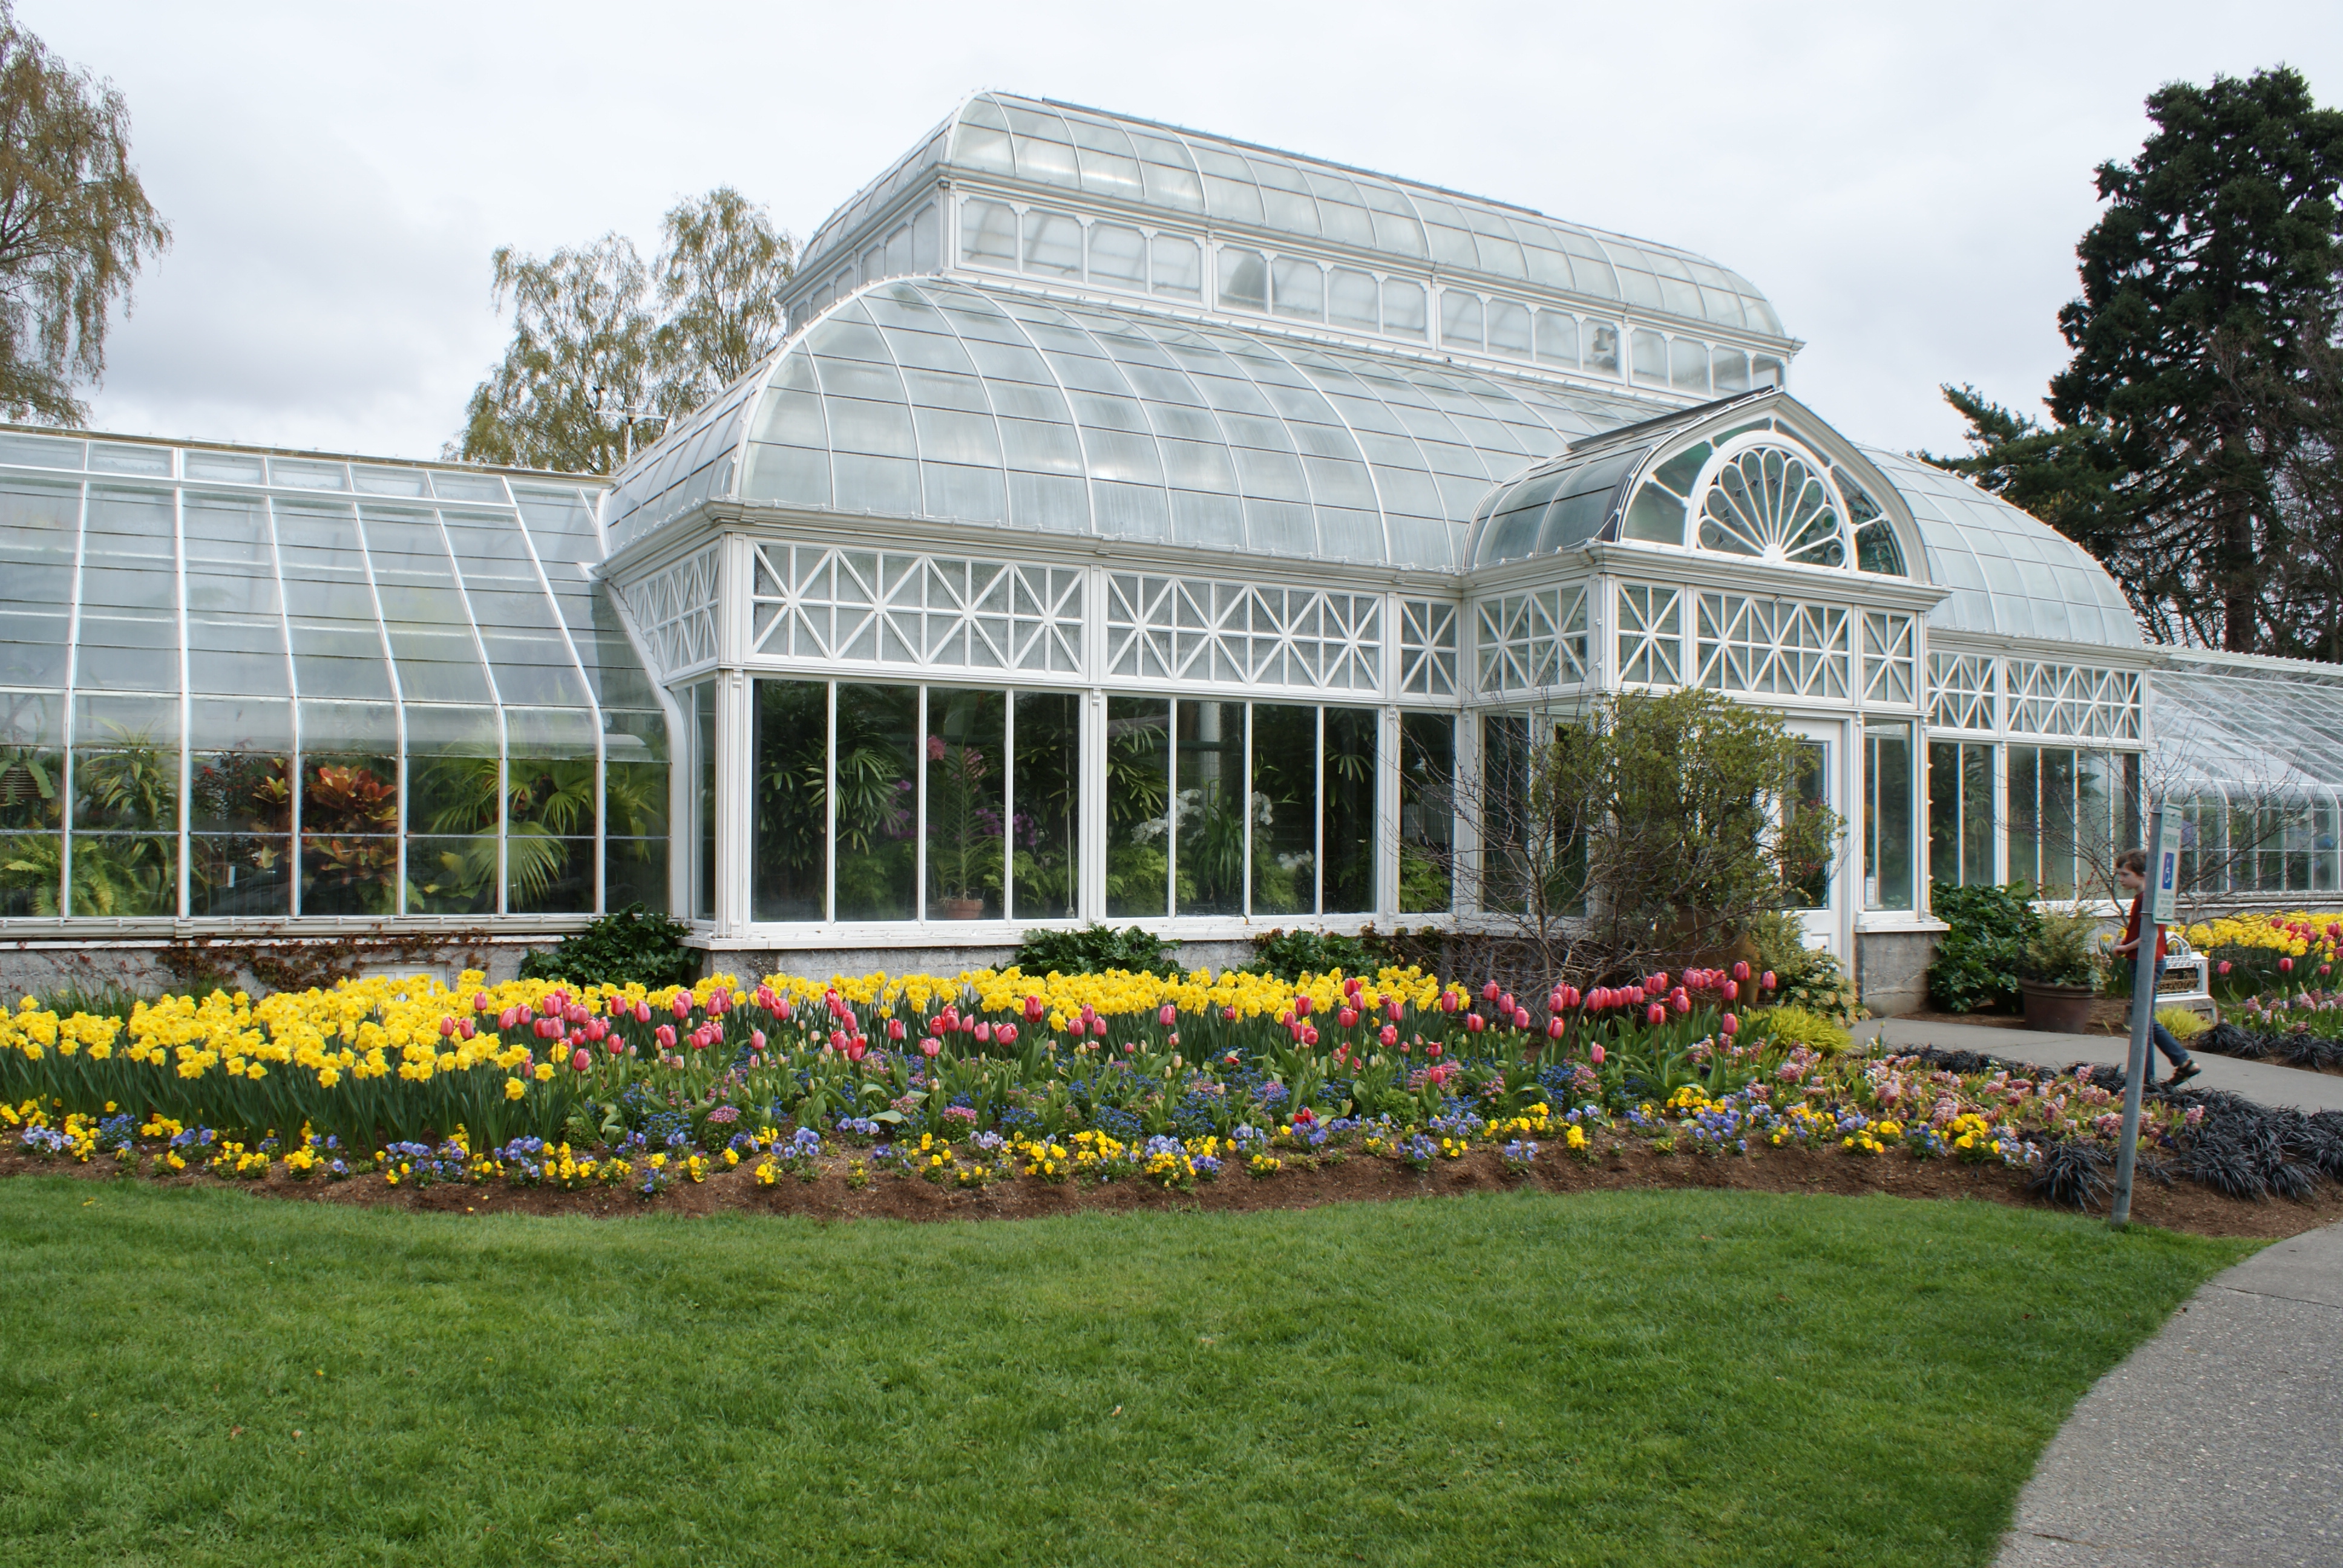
(1134,525)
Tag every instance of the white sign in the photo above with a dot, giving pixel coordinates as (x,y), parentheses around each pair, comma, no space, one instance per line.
(2164,870)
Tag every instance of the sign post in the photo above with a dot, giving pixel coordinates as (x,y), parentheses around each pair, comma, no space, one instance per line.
(2157,900)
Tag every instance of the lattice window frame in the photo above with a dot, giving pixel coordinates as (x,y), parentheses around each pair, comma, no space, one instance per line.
(853,606)
(675,609)
(1772,648)
(1199,629)
(1964,690)
(2083,701)
(1651,634)
(1532,641)
(1890,665)
(1428,654)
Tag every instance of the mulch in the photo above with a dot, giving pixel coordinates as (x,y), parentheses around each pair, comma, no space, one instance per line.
(2183,1206)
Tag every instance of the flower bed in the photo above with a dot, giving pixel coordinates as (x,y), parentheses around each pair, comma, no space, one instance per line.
(2302,1028)
(2255,953)
(991,1078)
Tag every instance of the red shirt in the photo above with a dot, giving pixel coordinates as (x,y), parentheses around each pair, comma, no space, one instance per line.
(2131,927)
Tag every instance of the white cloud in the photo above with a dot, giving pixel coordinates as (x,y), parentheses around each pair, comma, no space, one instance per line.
(1907,183)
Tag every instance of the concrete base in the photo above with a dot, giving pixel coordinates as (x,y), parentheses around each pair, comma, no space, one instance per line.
(1891,969)
(257,966)
(823,963)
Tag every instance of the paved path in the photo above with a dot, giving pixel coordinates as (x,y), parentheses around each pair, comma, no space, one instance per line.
(2219,1443)
(2263,1082)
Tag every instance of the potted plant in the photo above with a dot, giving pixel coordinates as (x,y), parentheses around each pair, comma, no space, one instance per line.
(964,829)
(2061,973)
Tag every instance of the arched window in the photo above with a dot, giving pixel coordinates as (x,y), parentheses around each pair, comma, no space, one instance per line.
(1760,492)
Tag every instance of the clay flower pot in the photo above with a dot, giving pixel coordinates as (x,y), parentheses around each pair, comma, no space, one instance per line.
(2058,1009)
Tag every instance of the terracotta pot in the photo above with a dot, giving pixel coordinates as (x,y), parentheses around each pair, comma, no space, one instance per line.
(963,909)
(2059,1008)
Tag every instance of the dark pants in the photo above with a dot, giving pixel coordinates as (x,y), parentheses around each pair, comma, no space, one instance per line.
(2173,1052)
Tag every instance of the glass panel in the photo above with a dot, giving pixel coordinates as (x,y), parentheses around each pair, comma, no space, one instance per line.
(2024,813)
(453,780)
(415,582)
(38,526)
(1688,366)
(1283,802)
(1046,849)
(1209,773)
(1557,339)
(1945,813)
(2095,823)
(1118,254)
(1765,371)
(236,638)
(1053,245)
(1350,298)
(349,809)
(1814,789)
(1245,280)
(129,633)
(1179,266)
(1506,810)
(1137,806)
(551,810)
(1887,817)
(877,809)
(2058,825)
(701,706)
(1348,833)
(1651,356)
(966,803)
(1427,811)
(1509,329)
(1976,814)
(1403,309)
(32,799)
(636,781)
(518,625)
(125,807)
(792,745)
(240,809)
(1300,288)
(1460,318)
(987,234)
(1603,347)
(1731,371)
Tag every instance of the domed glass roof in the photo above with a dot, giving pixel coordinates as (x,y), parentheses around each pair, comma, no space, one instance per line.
(978,404)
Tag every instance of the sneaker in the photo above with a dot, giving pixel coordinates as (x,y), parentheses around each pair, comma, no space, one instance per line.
(2182,1074)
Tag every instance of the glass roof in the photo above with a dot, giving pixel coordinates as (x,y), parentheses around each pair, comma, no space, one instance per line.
(1213,181)
(2009,573)
(962,402)
(2259,730)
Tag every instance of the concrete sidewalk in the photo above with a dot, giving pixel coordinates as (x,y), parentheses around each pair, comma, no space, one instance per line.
(2263,1082)
(2219,1442)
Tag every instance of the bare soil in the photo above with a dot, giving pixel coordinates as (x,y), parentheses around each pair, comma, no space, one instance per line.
(2183,1206)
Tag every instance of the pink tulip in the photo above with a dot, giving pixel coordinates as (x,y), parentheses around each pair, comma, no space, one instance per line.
(1474,1023)
(757,1040)
(1741,968)
(1392,1010)
(1730,1024)
(984,1034)
(1766,981)
(1656,1013)
(447,1027)
(1309,1035)
(1597,1054)
(1521,1017)
(466,1028)
(1553,1028)
(858,1048)
(665,1035)
(1035,1010)
(1302,1006)
(681,1005)
(1489,992)
(642,1012)
(582,1062)
(1732,990)
(929,1047)
(1433,1050)
(895,1029)
(1351,987)
(2224,966)
(1389,1034)
(1679,1001)
(1167,1015)
(479,1002)
(524,1013)
(1097,1026)
(1448,1001)
(1348,1018)
(1005,1033)
(1505,1002)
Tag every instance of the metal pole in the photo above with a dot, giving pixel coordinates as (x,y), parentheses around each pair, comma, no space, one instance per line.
(2142,1016)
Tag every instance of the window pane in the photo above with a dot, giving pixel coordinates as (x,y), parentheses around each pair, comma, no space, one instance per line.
(1118,254)
(1350,298)
(1053,245)
(878,811)
(987,234)
(349,809)
(966,801)
(550,815)
(1427,811)
(1137,806)
(1179,266)
(1765,371)
(1046,856)
(1887,817)
(1557,339)
(1651,356)
(32,797)
(1209,773)
(1976,814)
(1814,789)
(1404,313)
(125,808)
(1688,365)
(1509,329)
(1245,280)
(791,744)
(1301,288)
(1731,371)
(703,809)
(1348,831)
(1505,809)
(1460,318)
(1283,810)
(1944,812)
(635,784)
(452,779)
(1603,347)
(240,809)
(2095,823)
(2024,813)
(2058,823)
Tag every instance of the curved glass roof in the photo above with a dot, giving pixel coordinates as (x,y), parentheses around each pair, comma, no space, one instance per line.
(2009,573)
(2249,728)
(1228,184)
(968,403)
(397,637)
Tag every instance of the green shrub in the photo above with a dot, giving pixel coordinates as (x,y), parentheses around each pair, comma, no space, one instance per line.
(1289,955)
(1094,949)
(2185,1023)
(1803,977)
(628,946)
(1798,1026)
(1979,960)
(2065,950)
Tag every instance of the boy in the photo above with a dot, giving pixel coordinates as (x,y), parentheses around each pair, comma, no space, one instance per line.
(2131,874)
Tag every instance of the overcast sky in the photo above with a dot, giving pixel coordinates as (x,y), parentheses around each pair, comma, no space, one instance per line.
(1907,183)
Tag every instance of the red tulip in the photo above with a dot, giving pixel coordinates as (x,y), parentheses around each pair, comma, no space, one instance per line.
(1656,1013)
(1448,1001)
(1766,981)
(1433,1050)
(1035,1010)
(1474,1023)
(857,1048)
(1351,987)
(1553,1028)
(665,1035)
(1389,1035)
(1489,992)
(1309,1035)
(1348,1018)
(2285,965)
(1229,1014)
(1731,1025)
(583,1061)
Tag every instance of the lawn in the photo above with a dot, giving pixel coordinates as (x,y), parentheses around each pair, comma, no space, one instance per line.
(201,1377)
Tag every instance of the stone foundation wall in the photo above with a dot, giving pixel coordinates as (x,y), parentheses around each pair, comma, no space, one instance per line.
(1891,969)
(152,967)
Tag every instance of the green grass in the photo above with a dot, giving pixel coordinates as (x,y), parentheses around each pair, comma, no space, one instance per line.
(1680,1377)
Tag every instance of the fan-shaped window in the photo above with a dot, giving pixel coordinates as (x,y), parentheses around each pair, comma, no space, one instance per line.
(1767,501)
(1875,549)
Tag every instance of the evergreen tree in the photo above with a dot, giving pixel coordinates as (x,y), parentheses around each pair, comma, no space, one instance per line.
(2209,286)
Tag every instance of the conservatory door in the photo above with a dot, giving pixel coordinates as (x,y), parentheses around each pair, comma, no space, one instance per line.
(1823,905)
